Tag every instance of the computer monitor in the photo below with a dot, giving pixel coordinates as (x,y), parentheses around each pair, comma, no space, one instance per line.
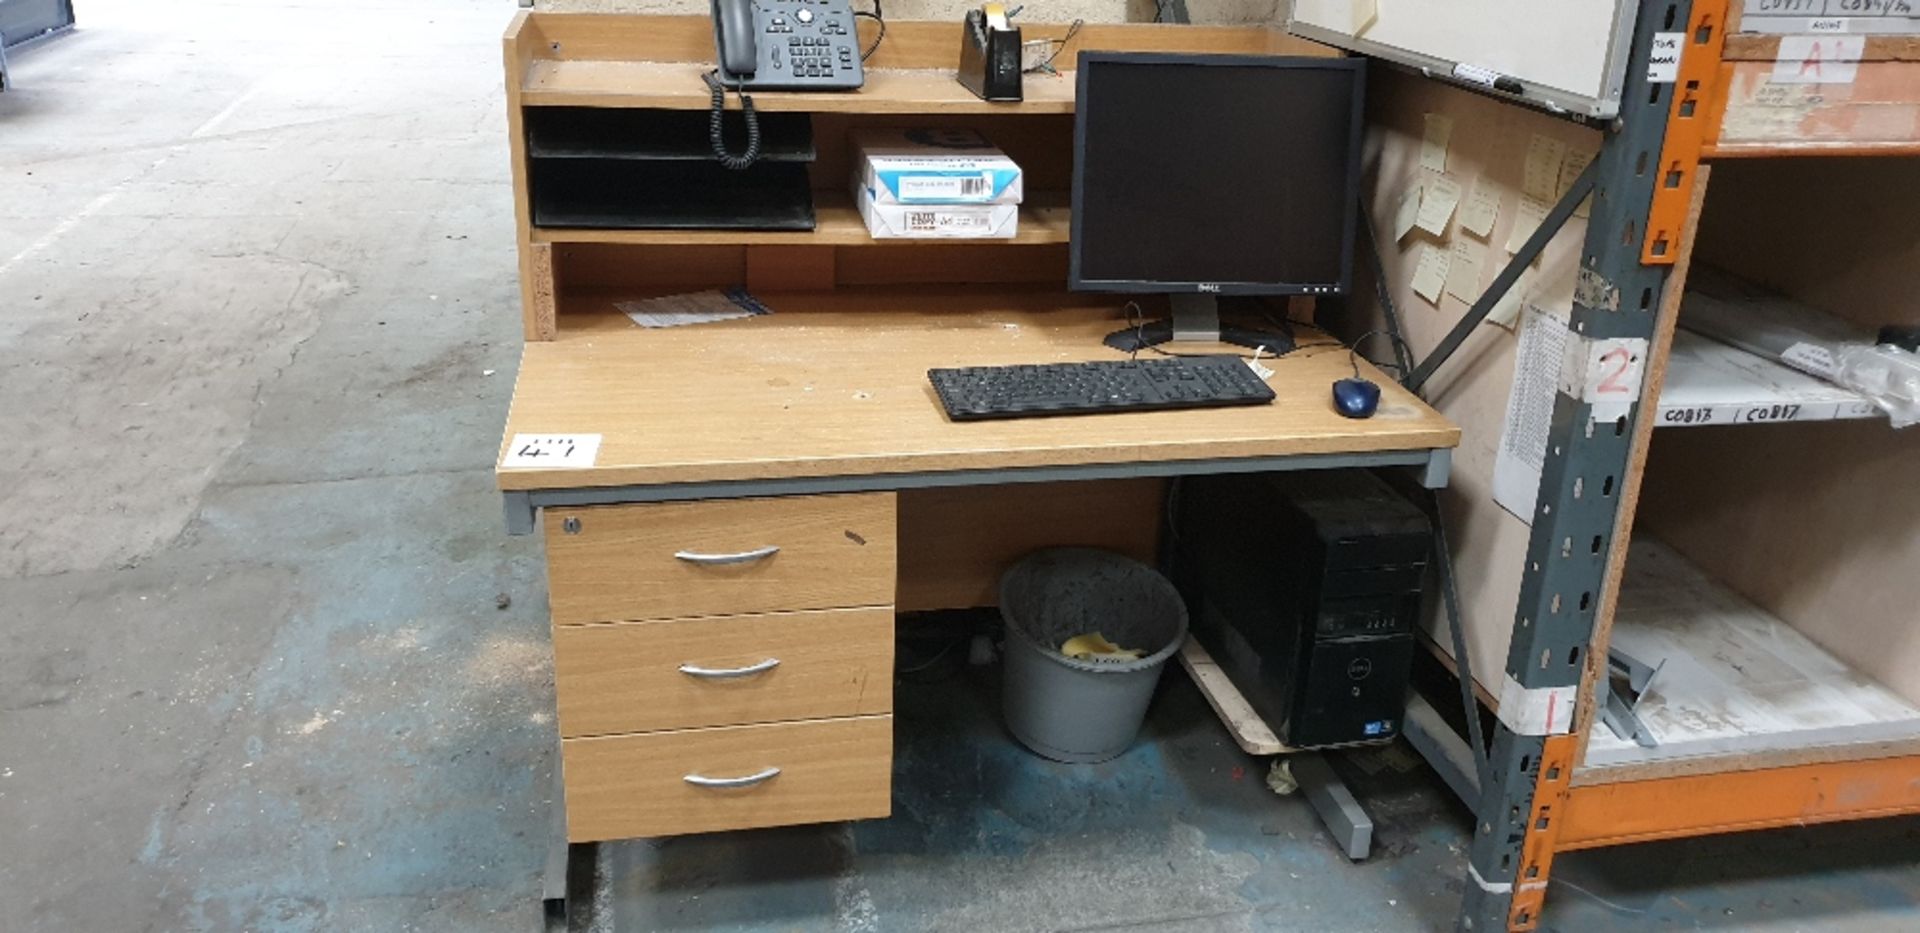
(1205,175)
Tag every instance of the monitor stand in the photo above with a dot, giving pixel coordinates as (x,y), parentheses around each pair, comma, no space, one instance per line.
(1196,319)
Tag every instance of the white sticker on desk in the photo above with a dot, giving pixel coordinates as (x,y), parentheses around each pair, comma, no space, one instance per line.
(551,451)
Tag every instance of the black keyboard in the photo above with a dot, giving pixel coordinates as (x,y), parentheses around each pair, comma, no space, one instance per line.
(980,392)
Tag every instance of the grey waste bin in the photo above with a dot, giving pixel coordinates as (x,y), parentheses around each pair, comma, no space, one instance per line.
(1084,711)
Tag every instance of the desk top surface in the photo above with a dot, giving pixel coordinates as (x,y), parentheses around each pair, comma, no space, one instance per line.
(835,384)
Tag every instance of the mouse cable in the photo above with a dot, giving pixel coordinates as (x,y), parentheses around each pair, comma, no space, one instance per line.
(1354,357)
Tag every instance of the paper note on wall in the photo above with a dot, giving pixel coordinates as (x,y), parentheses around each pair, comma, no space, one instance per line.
(1571,166)
(1463,270)
(1481,209)
(1541,174)
(1508,307)
(1818,59)
(1430,276)
(1523,436)
(1436,206)
(1433,144)
(1526,219)
(1365,13)
(1405,214)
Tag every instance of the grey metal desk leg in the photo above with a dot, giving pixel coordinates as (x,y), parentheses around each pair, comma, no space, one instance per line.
(519,512)
(1351,827)
(553,882)
(569,871)
(1438,469)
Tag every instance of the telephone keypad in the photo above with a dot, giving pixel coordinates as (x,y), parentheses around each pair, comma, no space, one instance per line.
(821,46)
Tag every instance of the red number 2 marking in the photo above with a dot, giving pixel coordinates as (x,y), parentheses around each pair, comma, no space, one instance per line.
(1610,383)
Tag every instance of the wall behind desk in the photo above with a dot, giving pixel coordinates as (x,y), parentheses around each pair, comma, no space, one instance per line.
(1487,147)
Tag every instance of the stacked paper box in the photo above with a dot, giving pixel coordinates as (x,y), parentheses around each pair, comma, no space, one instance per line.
(932,183)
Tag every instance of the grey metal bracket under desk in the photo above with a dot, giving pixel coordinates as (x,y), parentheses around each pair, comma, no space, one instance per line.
(1435,467)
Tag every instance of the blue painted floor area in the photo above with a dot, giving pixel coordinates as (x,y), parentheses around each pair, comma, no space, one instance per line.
(1180,833)
(268,661)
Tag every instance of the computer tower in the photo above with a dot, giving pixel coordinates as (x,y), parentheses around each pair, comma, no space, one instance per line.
(1305,588)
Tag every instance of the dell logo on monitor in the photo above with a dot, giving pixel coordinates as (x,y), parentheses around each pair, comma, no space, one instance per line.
(1208,287)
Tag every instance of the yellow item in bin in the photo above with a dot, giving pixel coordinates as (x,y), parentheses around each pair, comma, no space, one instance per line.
(1094,646)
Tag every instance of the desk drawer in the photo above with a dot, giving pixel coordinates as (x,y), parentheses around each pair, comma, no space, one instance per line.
(621,787)
(634,677)
(719,557)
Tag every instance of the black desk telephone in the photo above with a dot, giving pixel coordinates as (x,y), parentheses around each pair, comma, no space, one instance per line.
(778,45)
(787,45)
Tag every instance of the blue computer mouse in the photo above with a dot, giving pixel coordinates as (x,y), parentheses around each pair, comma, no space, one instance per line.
(1356,397)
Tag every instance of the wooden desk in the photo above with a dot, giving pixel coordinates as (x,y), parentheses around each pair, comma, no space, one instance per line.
(813,435)
(768,493)
(830,394)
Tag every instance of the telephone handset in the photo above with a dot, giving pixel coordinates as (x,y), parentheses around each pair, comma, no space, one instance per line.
(778,45)
(786,45)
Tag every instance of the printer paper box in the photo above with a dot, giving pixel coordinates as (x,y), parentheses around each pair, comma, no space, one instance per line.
(939,221)
(929,166)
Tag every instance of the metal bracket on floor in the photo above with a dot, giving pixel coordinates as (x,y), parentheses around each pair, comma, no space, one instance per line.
(1445,751)
(1618,701)
(1349,825)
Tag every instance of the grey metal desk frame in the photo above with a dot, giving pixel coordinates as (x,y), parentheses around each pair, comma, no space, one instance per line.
(1434,464)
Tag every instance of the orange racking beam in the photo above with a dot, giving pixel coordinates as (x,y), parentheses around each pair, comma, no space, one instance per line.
(1696,805)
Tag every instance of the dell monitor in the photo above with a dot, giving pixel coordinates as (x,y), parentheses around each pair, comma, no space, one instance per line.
(1197,176)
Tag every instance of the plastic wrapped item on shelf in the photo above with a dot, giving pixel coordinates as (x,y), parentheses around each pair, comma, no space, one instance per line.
(1765,323)
(1886,375)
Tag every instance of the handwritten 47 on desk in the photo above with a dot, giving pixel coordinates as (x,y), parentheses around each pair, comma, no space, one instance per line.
(552,451)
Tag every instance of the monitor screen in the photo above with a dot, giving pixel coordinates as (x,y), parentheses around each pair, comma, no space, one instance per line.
(1215,173)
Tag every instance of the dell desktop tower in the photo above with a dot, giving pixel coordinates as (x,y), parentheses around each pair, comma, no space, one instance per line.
(1305,588)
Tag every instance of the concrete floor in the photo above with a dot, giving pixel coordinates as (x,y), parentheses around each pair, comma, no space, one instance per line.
(268,661)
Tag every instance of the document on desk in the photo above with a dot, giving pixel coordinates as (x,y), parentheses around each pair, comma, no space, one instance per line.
(693,308)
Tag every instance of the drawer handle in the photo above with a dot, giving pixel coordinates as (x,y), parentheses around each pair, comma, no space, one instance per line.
(744,557)
(701,780)
(722,673)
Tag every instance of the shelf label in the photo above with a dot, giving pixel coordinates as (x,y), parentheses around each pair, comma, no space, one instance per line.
(1663,60)
(1762,413)
(1786,17)
(551,451)
(1818,59)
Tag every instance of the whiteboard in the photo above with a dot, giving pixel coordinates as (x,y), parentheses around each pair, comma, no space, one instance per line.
(1565,54)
